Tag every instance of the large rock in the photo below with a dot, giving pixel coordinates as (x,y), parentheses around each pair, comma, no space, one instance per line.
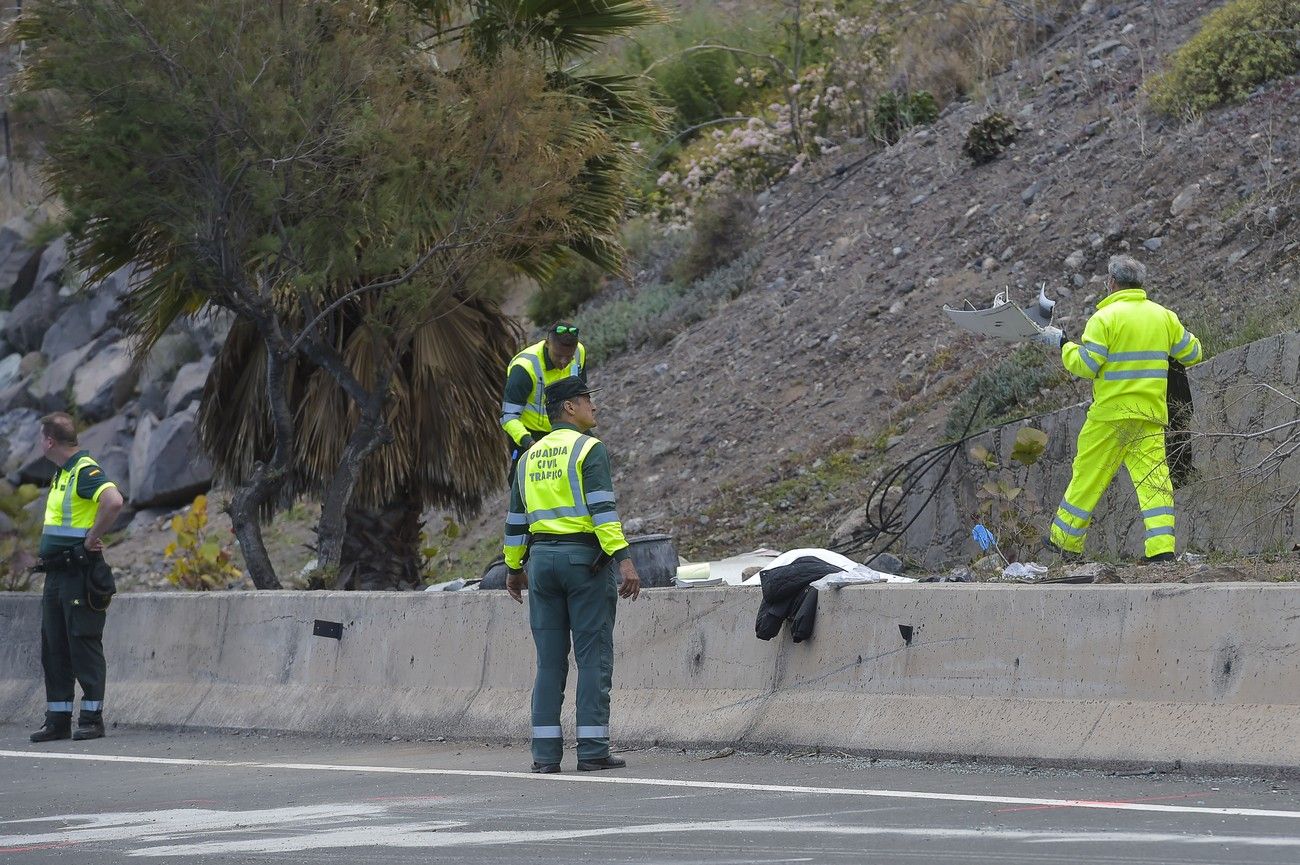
(211,328)
(171,352)
(9,369)
(15,396)
(167,465)
(19,262)
(78,323)
(31,317)
(49,389)
(187,386)
(54,260)
(20,439)
(104,383)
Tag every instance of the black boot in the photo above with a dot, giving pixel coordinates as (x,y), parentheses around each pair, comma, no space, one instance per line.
(58,725)
(90,725)
(599,763)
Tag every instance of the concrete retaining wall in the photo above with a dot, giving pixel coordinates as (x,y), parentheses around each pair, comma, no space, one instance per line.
(1208,675)
(1242,499)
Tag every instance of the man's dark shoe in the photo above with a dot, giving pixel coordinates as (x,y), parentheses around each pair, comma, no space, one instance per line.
(546,768)
(58,725)
(1158,558)
(90,725)
(601,763)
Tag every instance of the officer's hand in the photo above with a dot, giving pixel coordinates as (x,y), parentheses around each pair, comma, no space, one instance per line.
(630,584)
(94,545)
(525,443)
(516,582)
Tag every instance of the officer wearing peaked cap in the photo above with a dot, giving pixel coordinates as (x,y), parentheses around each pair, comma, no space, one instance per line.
(563,519)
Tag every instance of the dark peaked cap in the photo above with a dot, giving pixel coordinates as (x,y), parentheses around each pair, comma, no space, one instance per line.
(567,388)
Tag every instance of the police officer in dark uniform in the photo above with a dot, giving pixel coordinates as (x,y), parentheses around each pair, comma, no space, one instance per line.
(82,505)
(563,517)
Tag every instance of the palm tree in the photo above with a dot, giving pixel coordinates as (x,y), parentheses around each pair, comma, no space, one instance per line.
(446,449)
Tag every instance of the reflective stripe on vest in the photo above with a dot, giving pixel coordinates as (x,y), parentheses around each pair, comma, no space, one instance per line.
(68,515)
(1125,349)
(550,483)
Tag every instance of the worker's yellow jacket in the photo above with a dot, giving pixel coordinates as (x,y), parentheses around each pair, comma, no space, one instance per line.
(1125,350)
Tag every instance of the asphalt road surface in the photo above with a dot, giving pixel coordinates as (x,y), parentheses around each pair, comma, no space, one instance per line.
(141,796)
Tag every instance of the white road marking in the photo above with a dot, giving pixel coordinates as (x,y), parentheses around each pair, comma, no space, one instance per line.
(424,836)
(181,821)
(667,782)
(350,826)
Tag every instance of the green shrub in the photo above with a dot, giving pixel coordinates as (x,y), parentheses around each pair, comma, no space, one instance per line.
(723,229)
(574,283)
(896,112)
(1240,46)
(658,312)
(18,546)
(988,137)
(699,85)
(1009,390)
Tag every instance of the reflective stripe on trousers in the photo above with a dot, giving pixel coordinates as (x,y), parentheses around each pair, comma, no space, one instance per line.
(1103,447)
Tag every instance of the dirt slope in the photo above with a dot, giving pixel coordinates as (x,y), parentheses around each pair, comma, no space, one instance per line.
(764,424)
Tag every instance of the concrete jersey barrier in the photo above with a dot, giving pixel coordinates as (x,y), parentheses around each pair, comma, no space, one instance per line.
(1207,675)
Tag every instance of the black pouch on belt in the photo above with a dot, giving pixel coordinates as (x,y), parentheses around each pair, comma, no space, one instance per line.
(100,585)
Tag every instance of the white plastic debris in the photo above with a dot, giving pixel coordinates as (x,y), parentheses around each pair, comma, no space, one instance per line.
(1029,571)
(858,576)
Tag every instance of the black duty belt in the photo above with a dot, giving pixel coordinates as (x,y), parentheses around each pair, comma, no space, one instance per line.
(71,559)
(585,538)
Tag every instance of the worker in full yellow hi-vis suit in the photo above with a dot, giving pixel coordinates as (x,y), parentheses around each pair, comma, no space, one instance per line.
(1125,350)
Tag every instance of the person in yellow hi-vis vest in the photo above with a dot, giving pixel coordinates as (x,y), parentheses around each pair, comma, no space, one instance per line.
(563,520)
(82,506)
(1125,350)
(523,406)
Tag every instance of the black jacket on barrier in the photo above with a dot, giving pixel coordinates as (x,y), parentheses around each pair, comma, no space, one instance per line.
(788,595)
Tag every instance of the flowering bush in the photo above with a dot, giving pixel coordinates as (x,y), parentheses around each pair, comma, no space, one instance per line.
(797,112)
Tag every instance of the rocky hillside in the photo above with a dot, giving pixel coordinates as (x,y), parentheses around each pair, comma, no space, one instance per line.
(766,423)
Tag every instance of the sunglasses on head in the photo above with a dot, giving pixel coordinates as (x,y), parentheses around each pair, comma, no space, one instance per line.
(563,329)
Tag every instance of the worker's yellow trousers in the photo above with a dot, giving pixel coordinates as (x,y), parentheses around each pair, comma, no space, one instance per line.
(1103,446)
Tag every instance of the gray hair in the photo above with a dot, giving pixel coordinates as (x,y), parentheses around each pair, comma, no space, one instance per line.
(1127,271)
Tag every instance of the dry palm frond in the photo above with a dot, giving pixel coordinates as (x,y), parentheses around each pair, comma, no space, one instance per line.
(447,448)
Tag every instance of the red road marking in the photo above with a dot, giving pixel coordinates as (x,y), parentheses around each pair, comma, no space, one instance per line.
(1099,802)
(30,848)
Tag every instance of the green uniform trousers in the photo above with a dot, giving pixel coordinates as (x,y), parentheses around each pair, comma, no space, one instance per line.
(72,647)
(567,601)
(1103,446)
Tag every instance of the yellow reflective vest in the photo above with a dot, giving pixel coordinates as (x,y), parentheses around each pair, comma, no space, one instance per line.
(68,515)
(1125,350)
(529,417)
(555,494)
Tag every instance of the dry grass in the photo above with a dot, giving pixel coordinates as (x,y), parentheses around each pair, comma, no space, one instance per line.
(953,46)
